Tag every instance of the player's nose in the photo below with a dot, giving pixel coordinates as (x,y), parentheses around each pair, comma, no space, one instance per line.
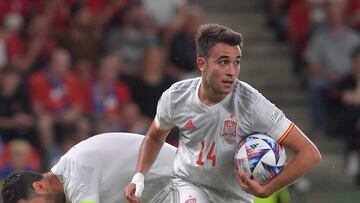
(231,70)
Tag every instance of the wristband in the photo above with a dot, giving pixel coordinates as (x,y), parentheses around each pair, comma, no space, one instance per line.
(138,180)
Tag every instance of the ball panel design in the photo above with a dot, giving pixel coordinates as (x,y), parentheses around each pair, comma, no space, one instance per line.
(261,157)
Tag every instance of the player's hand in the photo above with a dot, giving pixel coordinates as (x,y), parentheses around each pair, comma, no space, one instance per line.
(249,185)
(129,193)
(134,190)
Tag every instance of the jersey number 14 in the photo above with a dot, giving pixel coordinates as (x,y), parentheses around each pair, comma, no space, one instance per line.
(210,156)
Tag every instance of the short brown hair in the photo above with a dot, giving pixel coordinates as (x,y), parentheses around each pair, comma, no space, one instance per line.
(18,186)
(210,34)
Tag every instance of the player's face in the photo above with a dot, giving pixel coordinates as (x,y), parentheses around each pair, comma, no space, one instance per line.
(221,69)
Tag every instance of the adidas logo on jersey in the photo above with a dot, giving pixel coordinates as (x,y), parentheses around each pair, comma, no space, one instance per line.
(189,124)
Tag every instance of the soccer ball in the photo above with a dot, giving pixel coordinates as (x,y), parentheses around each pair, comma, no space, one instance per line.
(261,157)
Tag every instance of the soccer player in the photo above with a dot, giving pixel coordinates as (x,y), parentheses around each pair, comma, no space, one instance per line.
(93,171)
(214,113)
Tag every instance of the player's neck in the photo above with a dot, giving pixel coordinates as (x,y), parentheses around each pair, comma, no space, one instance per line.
(54,181)
(208,96)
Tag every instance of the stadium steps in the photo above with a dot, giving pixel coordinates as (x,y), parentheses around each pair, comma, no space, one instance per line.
(266,65)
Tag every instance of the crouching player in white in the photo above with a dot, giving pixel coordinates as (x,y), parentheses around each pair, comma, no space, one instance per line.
(214,113)
(93,171)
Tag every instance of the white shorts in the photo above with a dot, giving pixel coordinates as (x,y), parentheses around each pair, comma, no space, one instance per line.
(183,191)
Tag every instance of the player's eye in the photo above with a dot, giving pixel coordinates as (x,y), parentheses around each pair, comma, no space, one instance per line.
(237,63)
(223,62)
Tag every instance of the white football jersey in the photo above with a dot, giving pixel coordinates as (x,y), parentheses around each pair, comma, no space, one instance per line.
(209,136)
(98,169)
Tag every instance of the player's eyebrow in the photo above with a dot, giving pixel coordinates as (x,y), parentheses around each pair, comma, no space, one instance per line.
(223,57)
(227,57)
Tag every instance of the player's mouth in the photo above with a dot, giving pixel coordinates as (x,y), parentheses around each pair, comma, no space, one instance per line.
(228,82)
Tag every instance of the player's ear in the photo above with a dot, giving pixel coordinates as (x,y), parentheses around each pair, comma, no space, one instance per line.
(201,63)
(39,186)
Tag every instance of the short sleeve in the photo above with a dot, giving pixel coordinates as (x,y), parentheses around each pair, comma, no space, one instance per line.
(163,118)
(81,182)
(267,118)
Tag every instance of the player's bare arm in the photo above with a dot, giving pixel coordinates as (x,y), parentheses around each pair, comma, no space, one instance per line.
(149,150)
(306,155)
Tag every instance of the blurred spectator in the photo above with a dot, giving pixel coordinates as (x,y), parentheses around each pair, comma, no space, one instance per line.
(165,12)
(182,46)
(353,13)
(3,56)
(84,70)
(148,88)
(152,82)
(131,39)
(108,96)
(18,155)
(22,7)
(351,125)
(134,121)
(58,102)
(329,59)
(10,35)
(39,41)
(83,37)
(276,17)
(168,16)
(16,120)
(304,17)
(299,20)
(299,28)
(58,12)
(10,27)
(107,11)
(28,50)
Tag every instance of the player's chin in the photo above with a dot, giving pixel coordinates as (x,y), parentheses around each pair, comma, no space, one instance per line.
(227,89)
(227,86)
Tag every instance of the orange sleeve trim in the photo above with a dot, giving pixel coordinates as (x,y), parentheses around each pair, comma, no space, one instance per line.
(286,133)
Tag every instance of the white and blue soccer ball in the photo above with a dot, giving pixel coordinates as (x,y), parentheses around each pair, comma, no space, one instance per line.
(261,157)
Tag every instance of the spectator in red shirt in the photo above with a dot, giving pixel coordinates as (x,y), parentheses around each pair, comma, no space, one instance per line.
(85,72)
(58,13)
(9,36)
(29,50)
(10,25)
(23,7)
(58,102)
(108,96)
(353,13)
(107,11)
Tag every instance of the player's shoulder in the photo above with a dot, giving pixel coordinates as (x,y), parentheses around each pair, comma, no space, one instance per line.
(184,86)
(245,90)
(245,93)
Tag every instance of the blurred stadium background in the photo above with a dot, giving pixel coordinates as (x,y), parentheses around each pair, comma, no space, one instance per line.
(74,68)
